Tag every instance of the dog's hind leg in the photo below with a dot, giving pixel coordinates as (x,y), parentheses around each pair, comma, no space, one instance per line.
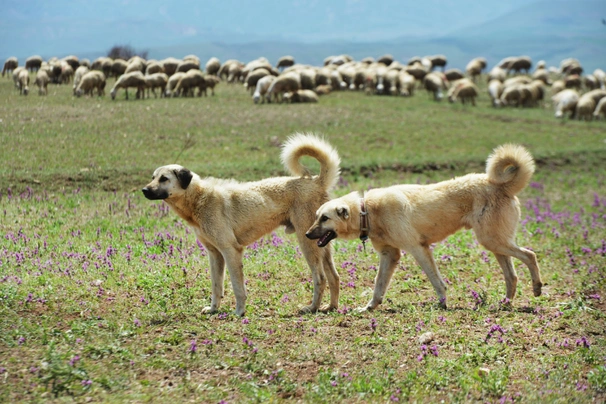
(511,278)
(425,259)
(333,279)
(527,257)
(233,259)
(217,276)
(387,265)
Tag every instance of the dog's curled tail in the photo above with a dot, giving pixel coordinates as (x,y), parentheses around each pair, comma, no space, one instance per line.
(511,167)
(307,144)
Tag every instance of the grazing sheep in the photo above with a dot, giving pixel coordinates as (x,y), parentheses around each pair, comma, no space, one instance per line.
(72,60)
(67,73)
(10,65)
(153,67)
(585,107)
(307,76)
(417,71)
(16,73)
(80,72)
(135,65)
(570,66)
(134,79)
(517,80)
(438,61)
(253,77)
(172,83)
(211,81)
(541,74)
(600,109)
(435,83)
(465,90)
(170,65)
(261,89)
(285,61)
(119,67)
(591,82)
(42,81)
(23,82)
(454,74)
(573,81)
(368,60)
(90,81)
(33,63)
(407,84)
(557,86)
(520,63)
(537,91)
(104,64)
(192,79)
(497,73)
(212,66)
(192,58)
(495,90)
(385,59)
(223,72)
(301,96)
(414,60)
(85,62)
(505,63)
(565,101)
(474,68)
(187,65)
(512,95)
(156,80)
(601,77)
(287,82)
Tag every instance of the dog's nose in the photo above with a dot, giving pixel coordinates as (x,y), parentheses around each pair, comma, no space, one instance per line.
(308,235)
(146,191)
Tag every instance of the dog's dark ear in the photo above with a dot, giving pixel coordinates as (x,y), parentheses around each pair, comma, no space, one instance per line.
(343,212)
(184,176)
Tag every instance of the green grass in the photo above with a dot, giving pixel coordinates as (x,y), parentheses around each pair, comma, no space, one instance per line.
(101,290)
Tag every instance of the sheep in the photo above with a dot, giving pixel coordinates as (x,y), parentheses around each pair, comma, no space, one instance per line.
(133,79)
(517,80)
(261,89)
(520,63)
(512,95)
(434,83)
(407,84)
(135,65)
(170,65)
(285,61)
(156,80)
(541,64)
(454,74)
(438,61)
(465,90)
(10,65)
(42,80)
(336,80)
(601,77)
(85,62)
(541,74)
(495,90)
(80,72)
(600,109)
(323,89)
(417,71)
(33,63)
(118,68)
(570,66)
(212,66)
(104,64)
(153,67)
(211,81)
(192,58)
(67,73)
(307,77)
(301,96)
(557,86)
(591,82)
(497,73)
(234,72)
(585,107)
(385,59)
(91,80)
(505,63)
(223,72)
(474,68)
(537,90)
(192,79)
(368,60)
(23,82)
(172,83)
(564,101)
(187,65)
(573,81)
(287,82)
(253,77)
(16,73)
(72,60)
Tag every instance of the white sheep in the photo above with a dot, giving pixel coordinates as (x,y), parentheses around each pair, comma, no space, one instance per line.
(261,88)
(438,61)
(156,80)
(135,65)
(253,77)
(464,90)
(495,90)
(301,96)
(435,83)
(285,61)
(211,81)
(10,65)
(23,82)
(497,73)
(91,80)
(565,101)
(170,65)
(601,77)
(187,65)
(134,79)
(454,74)
(193,79)
(287,82)
(407,84)
(119,67)
(16,76)
(33,63)
(172,83)
(587,104)
(80,72)
(212,66)
(42,81)
(600,109)
(474,68)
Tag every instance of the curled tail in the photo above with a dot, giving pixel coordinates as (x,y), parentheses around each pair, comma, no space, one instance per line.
(305,144)
(510,166)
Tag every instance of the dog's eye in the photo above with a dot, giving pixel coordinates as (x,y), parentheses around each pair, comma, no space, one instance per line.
(323,218)
(163,179)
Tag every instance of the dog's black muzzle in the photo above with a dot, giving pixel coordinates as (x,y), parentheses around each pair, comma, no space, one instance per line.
(154,195)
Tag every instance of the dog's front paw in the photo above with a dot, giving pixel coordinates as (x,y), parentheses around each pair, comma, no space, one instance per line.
(328,307)
(308,309)
(364,309)
(239,312)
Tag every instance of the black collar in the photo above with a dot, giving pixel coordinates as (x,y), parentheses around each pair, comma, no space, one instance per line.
(364,223)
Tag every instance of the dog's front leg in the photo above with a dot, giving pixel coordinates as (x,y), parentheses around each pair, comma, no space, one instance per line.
(233,258)
(217,277)
(389,259)
(423,256)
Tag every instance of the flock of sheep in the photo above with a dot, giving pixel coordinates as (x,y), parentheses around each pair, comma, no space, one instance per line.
(509,83)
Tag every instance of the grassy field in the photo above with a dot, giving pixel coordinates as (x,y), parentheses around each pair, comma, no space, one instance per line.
(101,289)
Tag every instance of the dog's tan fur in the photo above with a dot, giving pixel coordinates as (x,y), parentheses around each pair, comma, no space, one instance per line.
(227,215)
(412,217)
